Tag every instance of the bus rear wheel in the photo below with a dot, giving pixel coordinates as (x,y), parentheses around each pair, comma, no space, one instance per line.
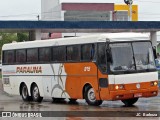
(58,100)
(24,93)
(130,102)
(35,94)
(90,97)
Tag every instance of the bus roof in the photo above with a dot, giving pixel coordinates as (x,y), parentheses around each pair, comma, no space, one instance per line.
(112,37)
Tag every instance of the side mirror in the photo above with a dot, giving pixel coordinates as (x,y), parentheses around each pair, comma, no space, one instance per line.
(109,56)
(154,53)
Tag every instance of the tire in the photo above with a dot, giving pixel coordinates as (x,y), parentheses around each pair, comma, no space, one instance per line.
(24,93)
(90,98)
(72,100)
(130,102)
(35,94)
(58,100)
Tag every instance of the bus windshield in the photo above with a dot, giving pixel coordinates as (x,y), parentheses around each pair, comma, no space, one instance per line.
(132,56)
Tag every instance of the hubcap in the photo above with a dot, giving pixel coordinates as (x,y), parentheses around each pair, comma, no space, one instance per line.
(91,95)
(35,92)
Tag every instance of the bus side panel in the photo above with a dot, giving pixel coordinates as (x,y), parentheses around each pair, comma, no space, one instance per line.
(58,89)
(58,81)
(73,86)
(46,81)
(79,74)
(8,88)
(12,87)
(15,82)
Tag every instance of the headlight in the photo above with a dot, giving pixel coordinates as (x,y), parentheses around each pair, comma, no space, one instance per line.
(120,87)
(116,87)
(154,83)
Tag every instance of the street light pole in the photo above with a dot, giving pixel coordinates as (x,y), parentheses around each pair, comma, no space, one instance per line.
(129,3)
(130,10)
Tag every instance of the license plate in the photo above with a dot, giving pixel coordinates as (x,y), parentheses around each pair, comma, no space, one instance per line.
(138,95)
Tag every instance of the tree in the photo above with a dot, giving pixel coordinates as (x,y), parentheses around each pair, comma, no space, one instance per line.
(22,37)
(7,38)
(10,37)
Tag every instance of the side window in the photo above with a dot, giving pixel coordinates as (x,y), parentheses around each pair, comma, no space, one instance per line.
(4,57)
(9,57)
(20,56)
(73,53)
(88,52)
(102,57)
(59,54)
(32,55)
(44,54)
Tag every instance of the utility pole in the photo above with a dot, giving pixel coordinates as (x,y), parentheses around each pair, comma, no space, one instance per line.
(38,17)
(130,9)
(129,3)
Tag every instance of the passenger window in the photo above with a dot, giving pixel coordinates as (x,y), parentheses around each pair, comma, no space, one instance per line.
(32,55)
(59,53)
(44,54)
(20,56)
(9,57)
(73,53)
(88,52)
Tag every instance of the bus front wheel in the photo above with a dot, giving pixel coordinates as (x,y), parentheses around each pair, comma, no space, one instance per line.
(35,94)
(24,93)
(130,102)
(90,97)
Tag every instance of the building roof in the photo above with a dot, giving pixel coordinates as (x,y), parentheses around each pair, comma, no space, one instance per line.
(80,26)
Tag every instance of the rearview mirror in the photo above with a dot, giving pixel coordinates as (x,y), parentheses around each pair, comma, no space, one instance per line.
(109,56)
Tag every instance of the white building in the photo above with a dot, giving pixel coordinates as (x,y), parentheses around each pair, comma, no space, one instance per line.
(55,10)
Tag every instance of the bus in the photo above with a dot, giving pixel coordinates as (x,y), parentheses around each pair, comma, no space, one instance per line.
(113,66)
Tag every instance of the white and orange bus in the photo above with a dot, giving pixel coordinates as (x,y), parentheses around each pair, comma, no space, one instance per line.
(113,66)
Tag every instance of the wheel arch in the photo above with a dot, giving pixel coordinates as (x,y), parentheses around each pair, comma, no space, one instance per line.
(84,88)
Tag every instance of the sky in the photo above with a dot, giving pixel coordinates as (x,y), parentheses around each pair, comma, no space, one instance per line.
(149,10)
(19,9)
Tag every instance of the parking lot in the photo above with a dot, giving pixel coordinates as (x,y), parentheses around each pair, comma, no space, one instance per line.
(15,103)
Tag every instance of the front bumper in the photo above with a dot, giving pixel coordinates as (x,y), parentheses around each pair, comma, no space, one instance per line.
(128,94)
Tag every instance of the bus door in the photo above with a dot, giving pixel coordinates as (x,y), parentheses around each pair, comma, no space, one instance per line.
(102,72)
(103,86)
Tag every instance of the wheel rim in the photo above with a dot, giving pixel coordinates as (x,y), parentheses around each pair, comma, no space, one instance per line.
(35,92)
(91,95)
(24,92)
